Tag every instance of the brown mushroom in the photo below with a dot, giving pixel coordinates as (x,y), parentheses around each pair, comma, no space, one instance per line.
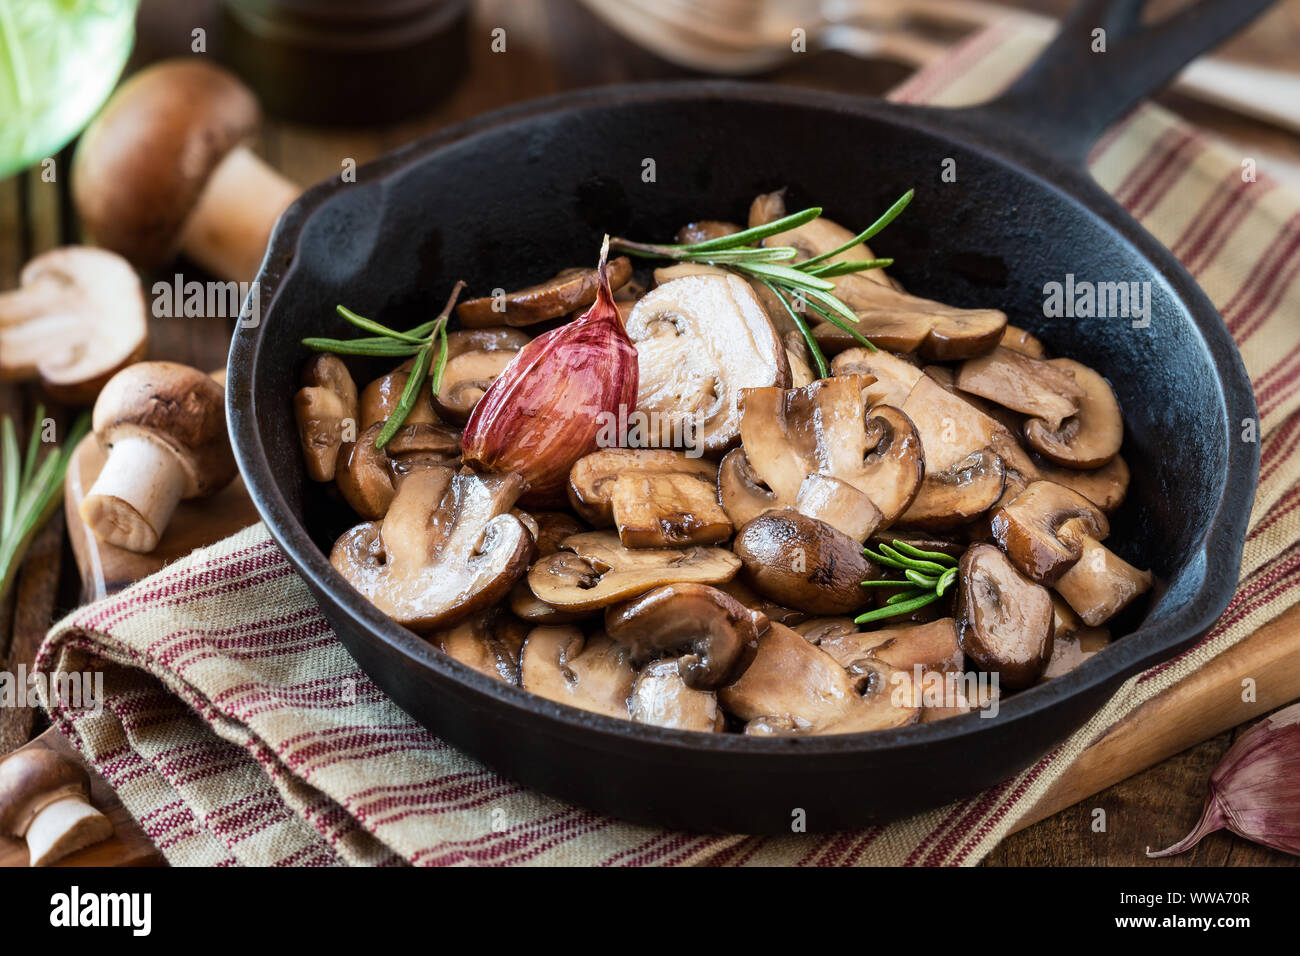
(959,495)
(164,426)
(951,428)
(1026,343)
(447,547)
(593,570)
(894,376)
(814,238)
(747,596)
(379,399)
(1090,437)
(804,563)
(77,318)
(327,412)
(45,800)
(792,687)
(1028,528)
(932,646)
(796,351)
(1044,390)
(704,230)
(163,167)
(363,475)
(840,505)
(593,674)
(660,697)
(1106,487)
(569,290)
(1100,583)
(422,445)
(701,340)
(591,480)
(475,359)
(1004,620)
(490,642)
(898,322)
(705,626)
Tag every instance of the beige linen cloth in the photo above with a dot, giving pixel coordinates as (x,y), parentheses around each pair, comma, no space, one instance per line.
(237,730)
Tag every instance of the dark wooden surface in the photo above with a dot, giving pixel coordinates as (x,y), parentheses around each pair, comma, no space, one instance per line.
(554,45)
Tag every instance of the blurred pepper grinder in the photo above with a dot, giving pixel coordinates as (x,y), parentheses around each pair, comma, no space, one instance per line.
(347,62)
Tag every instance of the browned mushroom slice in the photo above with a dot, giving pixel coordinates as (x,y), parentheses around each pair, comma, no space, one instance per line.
(704,230)
(667,511)
(706,626)
(660,697)
(1004,620)
(741,492)
(1073,642)
(792,687)
(816,238)
(379,399)
(491,339)
(594,570)
(1013,422)
(466,379)
(363,475)
(591,480)
(796,350)
(527,606)
(490,642)
(838,504)
(951,428)
(326,411)
(804,563)
(898,322)
(1101,583)
(447,547)
(1026,343)
(1105,487)
(423,445)
(593,674)
(1039,389)
(1029,529)
(569,290)
(747,596)
(1089,438)
(701,340)
(959,495)
(45,802)
(819,630)
(894,376)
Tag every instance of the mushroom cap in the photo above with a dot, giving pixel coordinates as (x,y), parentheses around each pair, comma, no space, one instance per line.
(326,401)
(142,164)
(177,406)
(661,697)
(959,495)
(1004,620)
(591,673)
(566,292)
(804,563)
(30,780)
(1045,390)
(1028,528)
(1092,436)
(592,477)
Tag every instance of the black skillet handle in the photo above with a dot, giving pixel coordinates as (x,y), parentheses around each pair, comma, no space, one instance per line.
(1071,94)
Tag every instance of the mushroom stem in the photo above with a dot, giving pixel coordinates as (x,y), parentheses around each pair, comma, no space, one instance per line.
(63,827)
(228,229)
(134,496)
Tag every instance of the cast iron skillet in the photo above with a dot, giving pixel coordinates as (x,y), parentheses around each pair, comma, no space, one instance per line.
(509,198)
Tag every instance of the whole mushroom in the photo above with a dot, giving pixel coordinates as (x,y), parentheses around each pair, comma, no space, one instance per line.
(164,427)
(45,800)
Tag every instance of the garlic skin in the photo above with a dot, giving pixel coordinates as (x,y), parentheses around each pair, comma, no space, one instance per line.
(1255,789)
(547,408)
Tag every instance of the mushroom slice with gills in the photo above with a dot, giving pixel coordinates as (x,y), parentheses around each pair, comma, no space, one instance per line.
(894,376)
(804,563)
(898,322)
(741,492)
(1089,438)
(77,318)
(887,463)
(590,673)
(791,687)
(817,630)
(552,528)
(704,230)
(959,495)
(708,627)
(1044,390)
(465,379)
(931,646)
(566,292)
(326,410)
(662,698)
(423,445)
(1101,583)
(699,341)
(363,475)
(1013,422)
(447,547)
(951,428)
(593,570)
(592,477)
(490,642)
(380,398)
(1026,343)
(1029,528)
(747,596)
(1004,620)
(838,504)
(667,511)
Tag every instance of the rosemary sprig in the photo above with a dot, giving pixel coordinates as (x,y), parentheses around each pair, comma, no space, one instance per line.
(32,491)
(427,342)
(926,576)
(807,282)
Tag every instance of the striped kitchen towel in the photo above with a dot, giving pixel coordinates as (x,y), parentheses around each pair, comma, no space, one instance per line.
(237,730)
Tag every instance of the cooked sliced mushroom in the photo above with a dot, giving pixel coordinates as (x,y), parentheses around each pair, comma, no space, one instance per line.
(959,495)
(1045,390)
(527,606)
(447,547)
(423,445)
(817,630)
(1029,529)
(894,376)
(490,642)
(660,697)
(792,687)
(1026,343)
(699,341)
(363,475)
(815,238)
(380,398)
(591,480)
(932,646)
(593,674)
(1101,583)
(898,322)
(666,274)
(747,596)
(594,570)
(569,290)
(1072,645)
(705,230)
(326,409)
(706,626)
(667,511)
(796,350)
(465,379)
(741,492)
(804,563)
(1004,620)
(1089,438)
(838,504)
(1105,487)
(1013,422)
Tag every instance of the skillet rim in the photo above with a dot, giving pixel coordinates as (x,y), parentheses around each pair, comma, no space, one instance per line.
(975,130)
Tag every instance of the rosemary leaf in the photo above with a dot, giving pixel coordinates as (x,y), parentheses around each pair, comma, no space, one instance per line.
(872,230)
(370,325)
(749,237)
(895,610)
(378,347)
(832,269)
(407,400)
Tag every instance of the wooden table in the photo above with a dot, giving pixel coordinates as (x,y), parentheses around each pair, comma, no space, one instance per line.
(554,45)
